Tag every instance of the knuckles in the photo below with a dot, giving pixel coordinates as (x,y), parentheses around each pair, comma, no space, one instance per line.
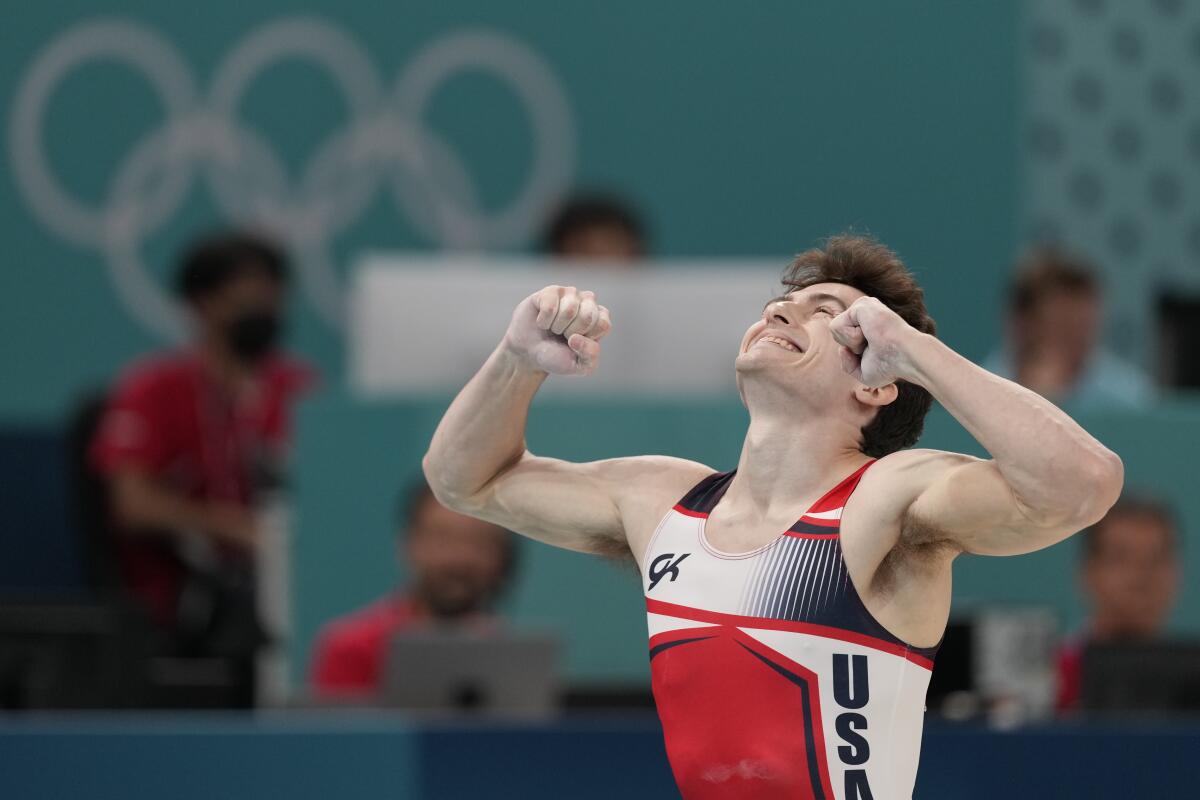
(568,306)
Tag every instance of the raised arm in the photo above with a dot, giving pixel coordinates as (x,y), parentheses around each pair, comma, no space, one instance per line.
(478,464)
(1047,478)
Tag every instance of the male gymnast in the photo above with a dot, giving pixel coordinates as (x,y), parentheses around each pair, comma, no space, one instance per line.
(795,603)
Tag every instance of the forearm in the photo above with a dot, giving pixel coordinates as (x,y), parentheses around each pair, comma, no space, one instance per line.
(1054,467)
(483,430)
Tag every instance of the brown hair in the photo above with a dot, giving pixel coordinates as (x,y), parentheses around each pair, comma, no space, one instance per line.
(876,271)
(1045,271)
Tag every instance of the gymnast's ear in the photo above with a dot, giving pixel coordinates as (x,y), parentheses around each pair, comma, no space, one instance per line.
(876,397)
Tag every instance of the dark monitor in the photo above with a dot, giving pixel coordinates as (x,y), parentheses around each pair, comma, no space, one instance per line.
(1179,338)
(1156,677)
(450,669)
(954,672)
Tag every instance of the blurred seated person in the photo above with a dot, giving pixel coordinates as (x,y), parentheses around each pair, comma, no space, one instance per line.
(595,227)
(458,566)
(1130,578)
(189,441)
(1053,328)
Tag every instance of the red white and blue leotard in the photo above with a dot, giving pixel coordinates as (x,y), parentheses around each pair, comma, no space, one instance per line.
(771,678)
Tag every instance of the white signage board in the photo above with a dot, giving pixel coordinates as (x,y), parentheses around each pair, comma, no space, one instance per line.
(420,325)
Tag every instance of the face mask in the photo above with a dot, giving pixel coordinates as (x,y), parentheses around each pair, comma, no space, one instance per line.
(252,335)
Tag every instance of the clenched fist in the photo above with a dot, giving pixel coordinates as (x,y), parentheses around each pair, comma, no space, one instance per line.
(558,330)
(874,342)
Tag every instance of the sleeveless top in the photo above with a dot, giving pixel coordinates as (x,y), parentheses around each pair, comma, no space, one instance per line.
(772,679)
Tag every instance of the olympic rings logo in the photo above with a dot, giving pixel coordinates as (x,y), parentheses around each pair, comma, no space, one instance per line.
(384,142)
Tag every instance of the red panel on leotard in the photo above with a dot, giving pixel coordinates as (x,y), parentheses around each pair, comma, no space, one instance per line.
(739,719)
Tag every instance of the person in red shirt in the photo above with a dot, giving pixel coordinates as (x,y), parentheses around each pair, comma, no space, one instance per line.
(458,567)
(1130,576)
(190,440)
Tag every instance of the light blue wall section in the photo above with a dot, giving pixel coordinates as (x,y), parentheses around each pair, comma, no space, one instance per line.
(1110,118)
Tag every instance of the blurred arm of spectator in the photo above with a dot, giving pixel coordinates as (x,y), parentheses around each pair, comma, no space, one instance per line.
(458,567)
(134,449)
(141,503)
(595,227)
(1129,575)
(1052,346)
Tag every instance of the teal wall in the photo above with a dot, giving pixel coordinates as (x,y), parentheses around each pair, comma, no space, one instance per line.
(740,129)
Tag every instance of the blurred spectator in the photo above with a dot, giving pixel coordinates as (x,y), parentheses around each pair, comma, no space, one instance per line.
(1130,577)
(1054,322)
(595,227)
(188,443)
(458,567)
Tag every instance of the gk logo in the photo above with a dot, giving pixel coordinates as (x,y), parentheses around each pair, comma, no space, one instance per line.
(669,567)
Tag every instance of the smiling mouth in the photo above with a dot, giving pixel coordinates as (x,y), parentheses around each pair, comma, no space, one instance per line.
(779,341)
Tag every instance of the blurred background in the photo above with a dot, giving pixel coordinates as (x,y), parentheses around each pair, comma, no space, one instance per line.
(254,249)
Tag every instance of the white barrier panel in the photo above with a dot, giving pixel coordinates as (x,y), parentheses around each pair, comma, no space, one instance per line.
(425,324)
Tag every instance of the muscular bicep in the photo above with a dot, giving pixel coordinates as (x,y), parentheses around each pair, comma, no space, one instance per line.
(602,507)
(967,502)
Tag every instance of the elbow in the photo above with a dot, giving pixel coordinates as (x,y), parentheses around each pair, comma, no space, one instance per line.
(444,490)
(1103,478)
(434,477)
(1083,497)
(465,493)
(1099,482)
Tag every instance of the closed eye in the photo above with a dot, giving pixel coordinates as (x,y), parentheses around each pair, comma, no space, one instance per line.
(827,310)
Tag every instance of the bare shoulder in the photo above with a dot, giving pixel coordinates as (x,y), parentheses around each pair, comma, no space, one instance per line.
(655,472)
(916,468)
(645,488)
(651,480)
(887,490)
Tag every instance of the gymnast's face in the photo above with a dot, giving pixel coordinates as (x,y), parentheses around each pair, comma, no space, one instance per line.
(790,346)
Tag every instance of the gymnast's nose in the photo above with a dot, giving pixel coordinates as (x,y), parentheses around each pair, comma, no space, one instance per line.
(775,312)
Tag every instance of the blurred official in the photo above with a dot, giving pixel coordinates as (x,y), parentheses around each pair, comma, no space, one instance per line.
(189,442)
(458,567)
(1130,578)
